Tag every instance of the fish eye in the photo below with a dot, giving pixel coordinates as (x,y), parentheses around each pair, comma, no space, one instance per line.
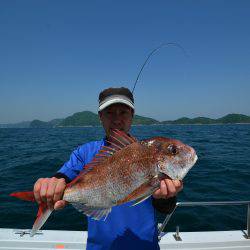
(172,149)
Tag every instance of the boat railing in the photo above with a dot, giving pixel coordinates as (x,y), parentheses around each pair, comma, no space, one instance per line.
(204,203)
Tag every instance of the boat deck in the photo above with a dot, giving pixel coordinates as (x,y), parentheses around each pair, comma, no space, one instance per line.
(13,239)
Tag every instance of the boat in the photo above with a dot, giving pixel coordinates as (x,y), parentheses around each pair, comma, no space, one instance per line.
(17,239)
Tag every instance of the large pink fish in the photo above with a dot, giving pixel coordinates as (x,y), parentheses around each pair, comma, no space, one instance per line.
(127,170)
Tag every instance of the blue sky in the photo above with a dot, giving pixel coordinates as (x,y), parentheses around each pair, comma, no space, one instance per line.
(56,56)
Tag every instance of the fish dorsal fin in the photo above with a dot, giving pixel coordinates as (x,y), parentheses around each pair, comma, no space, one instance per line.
(86,169)
(127,139)
(96,161)
(119,140)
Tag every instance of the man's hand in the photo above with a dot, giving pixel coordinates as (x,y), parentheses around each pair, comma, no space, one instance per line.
(168,188)
(50,191)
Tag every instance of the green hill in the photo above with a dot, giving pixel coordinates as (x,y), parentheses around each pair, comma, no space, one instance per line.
(234,118)
(39,124)
(87,118)
(42,124)
(183,120)
(142,120)
(80,119)
(228,119)
(203,120)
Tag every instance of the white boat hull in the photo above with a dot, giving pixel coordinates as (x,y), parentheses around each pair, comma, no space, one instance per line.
(18,239)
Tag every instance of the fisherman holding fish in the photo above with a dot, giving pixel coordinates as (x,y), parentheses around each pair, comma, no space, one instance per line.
(117,181)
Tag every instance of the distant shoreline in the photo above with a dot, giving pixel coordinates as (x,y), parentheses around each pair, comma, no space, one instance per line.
(135,125)
(90,119)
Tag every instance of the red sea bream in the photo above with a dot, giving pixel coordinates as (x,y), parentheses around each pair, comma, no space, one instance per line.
(126,170)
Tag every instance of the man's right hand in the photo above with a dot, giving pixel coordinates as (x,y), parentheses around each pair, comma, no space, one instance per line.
(50,191)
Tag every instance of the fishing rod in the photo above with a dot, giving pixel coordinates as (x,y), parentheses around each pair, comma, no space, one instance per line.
(153,52)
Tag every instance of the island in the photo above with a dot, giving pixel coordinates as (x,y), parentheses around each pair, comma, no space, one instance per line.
(88,118)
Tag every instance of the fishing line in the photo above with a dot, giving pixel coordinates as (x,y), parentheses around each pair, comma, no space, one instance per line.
(154,51)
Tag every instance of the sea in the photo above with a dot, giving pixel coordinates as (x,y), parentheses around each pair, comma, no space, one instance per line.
(222,173)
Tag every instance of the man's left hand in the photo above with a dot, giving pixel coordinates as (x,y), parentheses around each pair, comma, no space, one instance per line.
(168,188)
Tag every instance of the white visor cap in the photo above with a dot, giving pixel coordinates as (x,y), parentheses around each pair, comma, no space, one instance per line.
(115,99)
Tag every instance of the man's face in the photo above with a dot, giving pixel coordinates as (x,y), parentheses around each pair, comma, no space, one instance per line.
(116,116)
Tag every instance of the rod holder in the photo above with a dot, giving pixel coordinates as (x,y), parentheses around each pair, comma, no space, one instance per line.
(177,234)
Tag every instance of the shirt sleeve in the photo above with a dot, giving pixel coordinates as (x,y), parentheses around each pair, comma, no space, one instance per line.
(165,206)
(74,165)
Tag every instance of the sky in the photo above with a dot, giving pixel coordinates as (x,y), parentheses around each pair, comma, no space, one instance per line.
(56,57)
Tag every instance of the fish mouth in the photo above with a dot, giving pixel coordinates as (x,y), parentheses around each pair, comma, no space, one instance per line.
(163,176)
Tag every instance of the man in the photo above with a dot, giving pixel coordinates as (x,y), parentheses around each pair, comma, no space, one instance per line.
(126,227)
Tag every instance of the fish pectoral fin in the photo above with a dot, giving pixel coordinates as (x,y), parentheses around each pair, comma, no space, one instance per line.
(143,197)
(149,189)
(142,192)
(96,213)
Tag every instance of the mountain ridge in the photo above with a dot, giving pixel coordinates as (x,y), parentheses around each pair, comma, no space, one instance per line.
(88,118)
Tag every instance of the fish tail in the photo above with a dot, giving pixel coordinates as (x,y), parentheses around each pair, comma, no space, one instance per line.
(43,211)
(26,196)
(42,216)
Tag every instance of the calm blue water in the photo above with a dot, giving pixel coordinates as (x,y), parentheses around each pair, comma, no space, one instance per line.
(221,173)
